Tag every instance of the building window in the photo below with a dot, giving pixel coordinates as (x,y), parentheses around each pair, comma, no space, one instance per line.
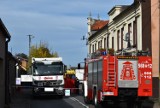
(118,39)
(95,47)
(112,42)
(104,43)
(122,34)
(101,44)
(92,48)
(107,42)
(129,29)
(135,33)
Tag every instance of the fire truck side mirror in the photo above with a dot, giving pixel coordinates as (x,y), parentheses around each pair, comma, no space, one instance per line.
(79,66)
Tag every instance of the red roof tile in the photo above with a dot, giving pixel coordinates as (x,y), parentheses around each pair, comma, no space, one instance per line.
(99,24)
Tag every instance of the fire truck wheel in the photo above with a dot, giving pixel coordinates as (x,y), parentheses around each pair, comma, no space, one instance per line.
(86,100)
(134,104)
(95,100)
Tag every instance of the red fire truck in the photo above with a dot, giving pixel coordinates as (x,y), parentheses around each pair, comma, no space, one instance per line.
(127,76)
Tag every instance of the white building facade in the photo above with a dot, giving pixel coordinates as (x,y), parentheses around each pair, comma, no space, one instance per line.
(122,20)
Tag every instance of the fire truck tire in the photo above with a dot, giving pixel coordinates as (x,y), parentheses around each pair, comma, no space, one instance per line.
(95,99)
(86,100)
(134,104)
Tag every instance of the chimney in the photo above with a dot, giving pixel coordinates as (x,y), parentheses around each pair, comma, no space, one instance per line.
(89,22)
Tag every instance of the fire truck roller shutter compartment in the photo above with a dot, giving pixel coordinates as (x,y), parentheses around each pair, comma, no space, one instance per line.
(127,73)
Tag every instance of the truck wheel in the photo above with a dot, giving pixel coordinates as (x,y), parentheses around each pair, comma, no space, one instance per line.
(80,89)
(95,100)
(86,100)
(34,95)
(60,96)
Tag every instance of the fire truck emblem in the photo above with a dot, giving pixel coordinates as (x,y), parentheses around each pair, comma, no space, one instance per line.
(127,72)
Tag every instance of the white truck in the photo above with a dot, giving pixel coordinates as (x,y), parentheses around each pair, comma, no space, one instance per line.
(47,76)
(80,75)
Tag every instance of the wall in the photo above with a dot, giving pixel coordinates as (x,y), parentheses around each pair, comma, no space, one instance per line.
(2,69)
(155,27)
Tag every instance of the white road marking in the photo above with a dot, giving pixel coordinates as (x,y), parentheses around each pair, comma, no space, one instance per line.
(74,99)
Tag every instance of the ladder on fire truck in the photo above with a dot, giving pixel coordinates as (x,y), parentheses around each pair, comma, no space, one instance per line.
(111,73)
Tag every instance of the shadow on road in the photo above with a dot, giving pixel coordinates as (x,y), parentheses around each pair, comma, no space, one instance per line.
(146,104)
(24,99)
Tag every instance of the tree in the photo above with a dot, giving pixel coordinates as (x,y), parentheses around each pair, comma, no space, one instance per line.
(42,50)
(21,55)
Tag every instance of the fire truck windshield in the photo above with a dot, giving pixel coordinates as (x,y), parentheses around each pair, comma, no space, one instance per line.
(48,69)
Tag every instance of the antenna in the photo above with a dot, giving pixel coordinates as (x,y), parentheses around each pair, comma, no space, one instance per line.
(98,16)
(90,14)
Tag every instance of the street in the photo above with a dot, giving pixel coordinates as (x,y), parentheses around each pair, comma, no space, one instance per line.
(24,99)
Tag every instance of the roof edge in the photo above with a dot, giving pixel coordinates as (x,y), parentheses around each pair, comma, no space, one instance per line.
(4,29)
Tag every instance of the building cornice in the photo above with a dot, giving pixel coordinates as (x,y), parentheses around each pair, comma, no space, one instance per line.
(4,29)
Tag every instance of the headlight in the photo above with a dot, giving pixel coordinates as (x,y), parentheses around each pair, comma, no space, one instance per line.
(59,82)
(60,88)
(36,83)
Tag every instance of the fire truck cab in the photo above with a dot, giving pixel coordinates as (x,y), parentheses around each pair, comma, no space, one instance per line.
(117,77)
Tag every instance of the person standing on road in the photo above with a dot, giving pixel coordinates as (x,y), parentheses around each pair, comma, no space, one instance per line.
(77,85)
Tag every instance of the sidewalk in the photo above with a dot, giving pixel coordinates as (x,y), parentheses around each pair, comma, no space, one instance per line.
(20,100)
(156,105)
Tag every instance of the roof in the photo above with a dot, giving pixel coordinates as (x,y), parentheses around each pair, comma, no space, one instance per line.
(99,31)
(132,6)
(99,24)
(11,57)
(123,7)
(4,29)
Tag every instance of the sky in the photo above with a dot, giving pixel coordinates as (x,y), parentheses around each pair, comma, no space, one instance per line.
(59,23)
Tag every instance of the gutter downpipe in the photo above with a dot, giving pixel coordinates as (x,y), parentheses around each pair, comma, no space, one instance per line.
(159,52)
(7,96)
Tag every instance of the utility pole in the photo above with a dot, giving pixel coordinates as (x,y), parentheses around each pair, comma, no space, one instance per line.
(30,38)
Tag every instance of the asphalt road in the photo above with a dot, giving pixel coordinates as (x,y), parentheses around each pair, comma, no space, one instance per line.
(24,99)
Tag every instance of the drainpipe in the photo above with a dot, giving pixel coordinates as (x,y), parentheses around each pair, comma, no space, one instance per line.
(7,96)
(159,51)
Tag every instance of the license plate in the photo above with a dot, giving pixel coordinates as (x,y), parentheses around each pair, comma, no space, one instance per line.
(67,92)
(48,89)
(108,93)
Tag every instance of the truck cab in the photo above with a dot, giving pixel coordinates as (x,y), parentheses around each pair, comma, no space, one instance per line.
(48,76)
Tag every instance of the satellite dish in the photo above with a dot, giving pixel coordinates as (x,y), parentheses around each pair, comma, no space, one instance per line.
(127,37)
